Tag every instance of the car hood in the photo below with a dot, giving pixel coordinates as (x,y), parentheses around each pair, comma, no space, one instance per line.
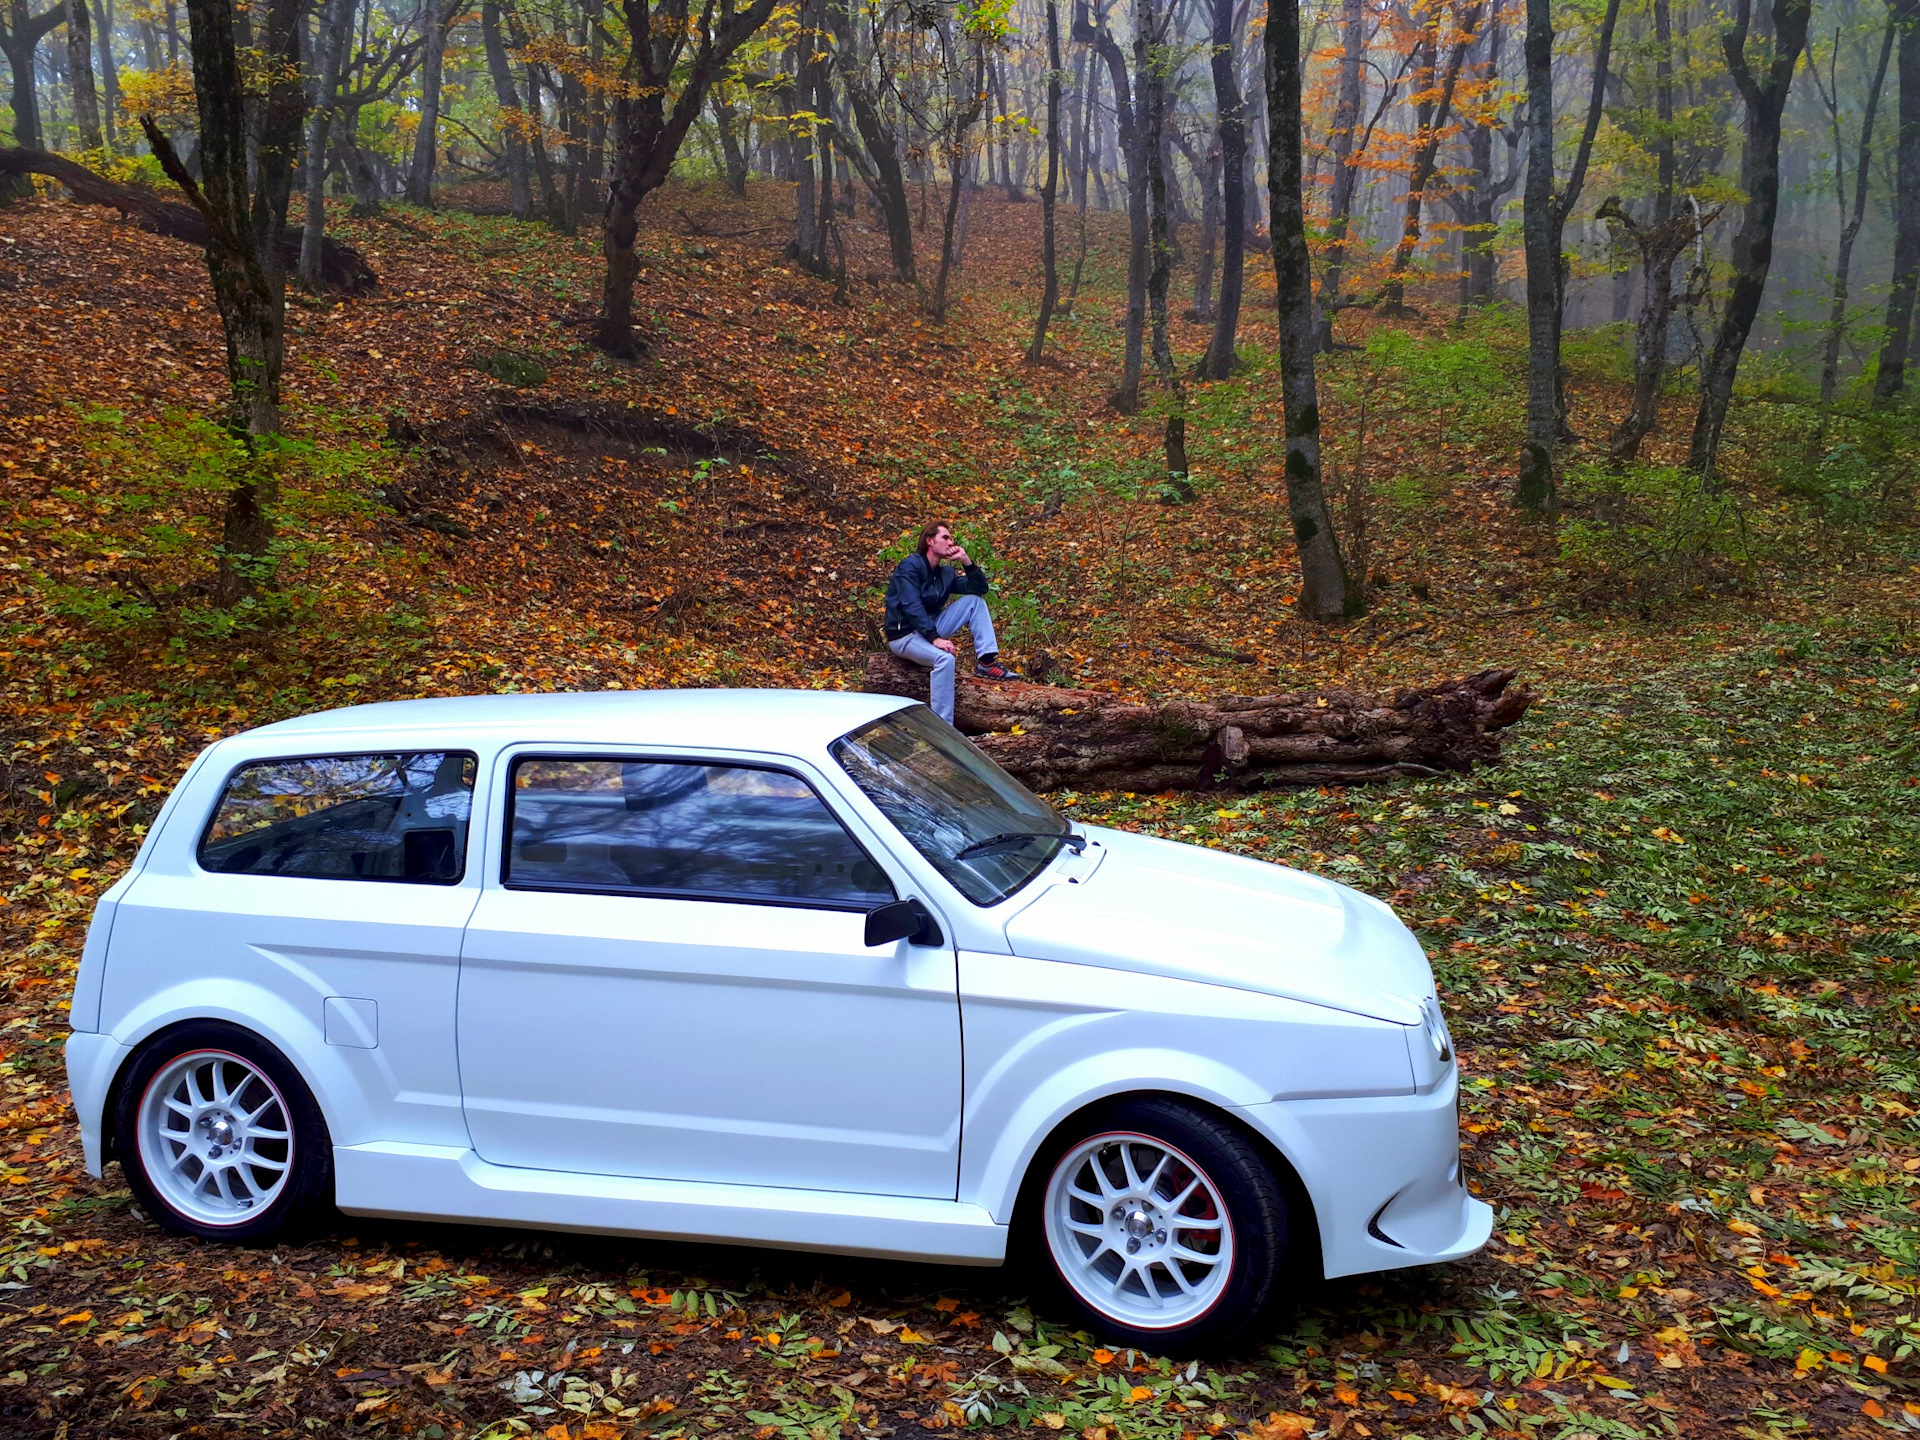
(1162,908)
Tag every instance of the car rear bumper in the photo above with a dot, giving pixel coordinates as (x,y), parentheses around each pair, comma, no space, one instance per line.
(92,1062)
(1384,1176)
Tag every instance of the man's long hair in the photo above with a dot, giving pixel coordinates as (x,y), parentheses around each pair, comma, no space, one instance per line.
(927,532)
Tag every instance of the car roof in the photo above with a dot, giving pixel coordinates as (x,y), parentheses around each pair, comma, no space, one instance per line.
(784,720)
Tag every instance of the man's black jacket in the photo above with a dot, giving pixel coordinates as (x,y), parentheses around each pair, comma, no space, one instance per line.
(918,591)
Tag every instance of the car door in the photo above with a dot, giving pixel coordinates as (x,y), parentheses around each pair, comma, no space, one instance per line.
(666,976)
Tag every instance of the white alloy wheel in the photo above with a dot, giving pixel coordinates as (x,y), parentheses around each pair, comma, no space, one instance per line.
(216,1137)
(1139,1231)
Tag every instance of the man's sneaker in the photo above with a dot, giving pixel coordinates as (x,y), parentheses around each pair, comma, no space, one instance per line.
(994,670)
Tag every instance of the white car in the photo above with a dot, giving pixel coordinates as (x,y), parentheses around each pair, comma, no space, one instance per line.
(780,968)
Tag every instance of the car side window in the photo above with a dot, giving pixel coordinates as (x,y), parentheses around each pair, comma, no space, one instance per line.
(395,817)
(716,832)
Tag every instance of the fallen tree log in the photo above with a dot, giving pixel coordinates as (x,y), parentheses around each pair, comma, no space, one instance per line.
(341,266)
(1052,738)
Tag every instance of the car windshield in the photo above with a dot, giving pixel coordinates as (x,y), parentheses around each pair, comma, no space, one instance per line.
(947,799)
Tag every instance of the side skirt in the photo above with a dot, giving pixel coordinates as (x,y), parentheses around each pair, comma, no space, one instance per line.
(439,1182)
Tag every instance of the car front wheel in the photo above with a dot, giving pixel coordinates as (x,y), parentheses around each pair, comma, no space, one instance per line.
(1165,1226)
(219,1136)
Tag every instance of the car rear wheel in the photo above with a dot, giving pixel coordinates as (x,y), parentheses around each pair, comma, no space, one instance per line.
(1164,1224)
(219,1136)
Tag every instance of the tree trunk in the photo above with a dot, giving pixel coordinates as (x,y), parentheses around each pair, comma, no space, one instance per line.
(877,140)
(1232,110)
(1751,254)
(1126,399)
(426,139)
(1346,171)
(1049,265)
(1850,224)
(885,155)
(86,98)
(732,152)
(1544,219)
(1139,252)
(958,167)
(513,119)
(1089,740)
(1426,156)
(647,135)
(1150,72)
(1658,251)
(806,201)
(336,20)
(1477,203)
(342,267)
(1090,77)
(1892,375)
(109,75)
(1327,592)
(1015,192)
(553,205)
(244,253)
(20,37)
(1206,173)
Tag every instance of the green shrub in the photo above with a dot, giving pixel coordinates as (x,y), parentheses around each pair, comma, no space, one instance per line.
(1648,535)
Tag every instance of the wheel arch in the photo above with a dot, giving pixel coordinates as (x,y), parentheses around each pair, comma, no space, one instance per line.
(1303,1238)
(143,1041)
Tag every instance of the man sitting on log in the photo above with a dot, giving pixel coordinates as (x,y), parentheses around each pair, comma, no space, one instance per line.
(928,601)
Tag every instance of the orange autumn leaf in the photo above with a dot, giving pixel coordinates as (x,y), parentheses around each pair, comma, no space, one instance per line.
(1281,1426)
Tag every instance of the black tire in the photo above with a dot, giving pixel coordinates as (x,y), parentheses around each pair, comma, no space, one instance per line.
(1252,1197)
(307,1192)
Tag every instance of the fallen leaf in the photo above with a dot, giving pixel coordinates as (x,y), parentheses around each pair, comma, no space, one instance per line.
(1281,1426)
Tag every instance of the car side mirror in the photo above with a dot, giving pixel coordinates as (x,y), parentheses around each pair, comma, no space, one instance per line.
(903,920)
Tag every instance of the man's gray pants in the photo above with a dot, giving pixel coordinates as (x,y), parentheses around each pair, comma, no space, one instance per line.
(963,611)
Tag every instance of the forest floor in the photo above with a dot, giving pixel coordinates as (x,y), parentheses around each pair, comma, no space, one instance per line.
(1676,929)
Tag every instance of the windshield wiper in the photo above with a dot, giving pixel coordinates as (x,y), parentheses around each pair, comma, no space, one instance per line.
(1014,839)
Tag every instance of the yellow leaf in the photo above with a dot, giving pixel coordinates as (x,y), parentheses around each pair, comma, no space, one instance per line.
(1346,1394)
(946,1306)
(1611,1383)
(1139,1392)
(1103,1357)
(842,1300)
(79,1317)
(1875,1364)
(913,1337)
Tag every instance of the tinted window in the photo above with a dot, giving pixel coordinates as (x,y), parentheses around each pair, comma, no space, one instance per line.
(714,831)
(345,817)
(948,798)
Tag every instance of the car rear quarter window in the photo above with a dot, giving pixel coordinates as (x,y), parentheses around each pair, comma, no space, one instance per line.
(715,832)
(399,817)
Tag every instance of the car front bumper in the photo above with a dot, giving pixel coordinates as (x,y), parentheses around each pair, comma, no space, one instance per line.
(92,1061)
(1384,1176)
